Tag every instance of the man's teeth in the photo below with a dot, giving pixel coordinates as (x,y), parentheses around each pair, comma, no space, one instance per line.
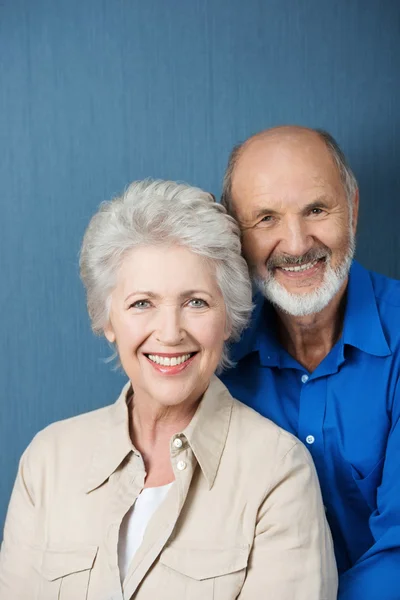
(300,267)
(169,362)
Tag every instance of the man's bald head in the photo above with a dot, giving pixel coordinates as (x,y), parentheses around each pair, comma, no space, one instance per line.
(290,136)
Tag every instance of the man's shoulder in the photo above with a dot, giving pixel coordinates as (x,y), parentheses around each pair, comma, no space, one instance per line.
(387,299)
(387,296)
(387,290)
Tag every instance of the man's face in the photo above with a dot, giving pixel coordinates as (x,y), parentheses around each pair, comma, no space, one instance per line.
(297,226)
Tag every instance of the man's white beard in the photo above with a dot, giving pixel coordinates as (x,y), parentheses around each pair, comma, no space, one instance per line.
(300,305)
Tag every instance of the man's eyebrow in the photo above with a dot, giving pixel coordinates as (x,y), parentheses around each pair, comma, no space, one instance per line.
(262,212)
(259,213)
(322,202)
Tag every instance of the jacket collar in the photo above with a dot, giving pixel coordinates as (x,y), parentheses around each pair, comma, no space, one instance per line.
(206,434)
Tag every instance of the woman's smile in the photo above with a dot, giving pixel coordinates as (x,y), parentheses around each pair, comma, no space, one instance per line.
(170,364)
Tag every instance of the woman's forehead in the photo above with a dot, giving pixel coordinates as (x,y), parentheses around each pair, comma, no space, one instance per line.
(165,269)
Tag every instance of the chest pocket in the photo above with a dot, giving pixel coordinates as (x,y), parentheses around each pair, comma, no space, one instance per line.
(368,485)
(64,574)
(192,573)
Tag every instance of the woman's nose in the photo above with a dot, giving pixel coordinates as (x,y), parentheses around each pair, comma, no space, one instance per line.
(169,331)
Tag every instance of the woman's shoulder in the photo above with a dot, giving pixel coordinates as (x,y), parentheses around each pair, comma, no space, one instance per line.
(255,431)
(249,429)
(76,426)
(85,428)
(68,441)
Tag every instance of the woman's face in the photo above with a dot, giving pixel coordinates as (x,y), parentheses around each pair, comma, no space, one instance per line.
(168,321)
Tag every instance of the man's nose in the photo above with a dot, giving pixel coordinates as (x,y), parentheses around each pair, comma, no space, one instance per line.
(169,331)
(295,237)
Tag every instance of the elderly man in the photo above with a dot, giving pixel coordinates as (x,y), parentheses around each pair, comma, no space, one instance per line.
(322,355)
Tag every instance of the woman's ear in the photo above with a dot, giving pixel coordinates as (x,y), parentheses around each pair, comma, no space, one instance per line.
(109,333)
(228,331)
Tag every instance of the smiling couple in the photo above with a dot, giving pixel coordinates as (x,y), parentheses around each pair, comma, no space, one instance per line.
(179,490)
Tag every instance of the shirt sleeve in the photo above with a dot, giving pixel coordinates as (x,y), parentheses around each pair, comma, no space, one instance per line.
(292,554)
(377,573)
(19,531)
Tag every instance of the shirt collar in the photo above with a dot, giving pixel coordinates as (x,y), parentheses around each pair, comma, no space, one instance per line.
(208,430)
(114,443)
(362,325)
(206,434)
(260,335)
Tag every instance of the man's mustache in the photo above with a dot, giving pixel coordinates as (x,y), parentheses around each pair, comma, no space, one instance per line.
(288,260)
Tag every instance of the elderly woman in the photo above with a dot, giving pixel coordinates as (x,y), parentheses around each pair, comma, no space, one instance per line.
(177,490)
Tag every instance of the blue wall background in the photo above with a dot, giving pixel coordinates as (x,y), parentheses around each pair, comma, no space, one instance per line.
(94,94)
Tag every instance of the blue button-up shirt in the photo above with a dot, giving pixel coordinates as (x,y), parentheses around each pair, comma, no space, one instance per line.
(347,413)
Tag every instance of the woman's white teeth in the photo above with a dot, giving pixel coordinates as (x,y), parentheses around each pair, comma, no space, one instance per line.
(300,267)
(168,362)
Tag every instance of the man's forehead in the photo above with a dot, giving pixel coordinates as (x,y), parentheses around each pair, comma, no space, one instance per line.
(277,155)
(258,180)
(257,192)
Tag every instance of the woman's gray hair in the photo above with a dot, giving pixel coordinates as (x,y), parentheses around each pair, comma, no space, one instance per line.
(156,212)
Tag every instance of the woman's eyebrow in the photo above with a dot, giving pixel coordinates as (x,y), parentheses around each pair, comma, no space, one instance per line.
(152,295)
(194,293)
(146,293)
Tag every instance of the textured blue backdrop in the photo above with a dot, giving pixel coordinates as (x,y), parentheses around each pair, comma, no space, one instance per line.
(94,94)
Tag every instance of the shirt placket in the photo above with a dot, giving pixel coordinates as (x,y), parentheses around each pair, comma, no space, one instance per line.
(163,522)
(312,408)
(125,486)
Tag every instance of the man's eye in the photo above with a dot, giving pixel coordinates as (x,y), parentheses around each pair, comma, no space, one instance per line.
(317,211)
(197,303)
(140,304)
(265,221)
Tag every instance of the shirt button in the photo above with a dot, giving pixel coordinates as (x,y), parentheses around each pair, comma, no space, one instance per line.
(181,465)
(310,439)
(304,378)
(178,443)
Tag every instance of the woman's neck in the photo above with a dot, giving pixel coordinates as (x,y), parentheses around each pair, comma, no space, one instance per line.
(151,428)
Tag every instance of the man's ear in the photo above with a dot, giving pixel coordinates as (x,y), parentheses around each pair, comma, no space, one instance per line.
(356,199)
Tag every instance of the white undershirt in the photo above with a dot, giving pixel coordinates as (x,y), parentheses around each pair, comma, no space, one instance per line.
(135,522)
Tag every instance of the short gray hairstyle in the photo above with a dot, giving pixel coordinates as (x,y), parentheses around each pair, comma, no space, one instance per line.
(346,174)
(156,212)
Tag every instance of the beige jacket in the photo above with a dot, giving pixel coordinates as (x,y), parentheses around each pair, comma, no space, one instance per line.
(244,518)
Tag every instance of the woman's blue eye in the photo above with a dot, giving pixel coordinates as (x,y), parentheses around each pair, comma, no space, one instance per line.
(197,303)
(140,304)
